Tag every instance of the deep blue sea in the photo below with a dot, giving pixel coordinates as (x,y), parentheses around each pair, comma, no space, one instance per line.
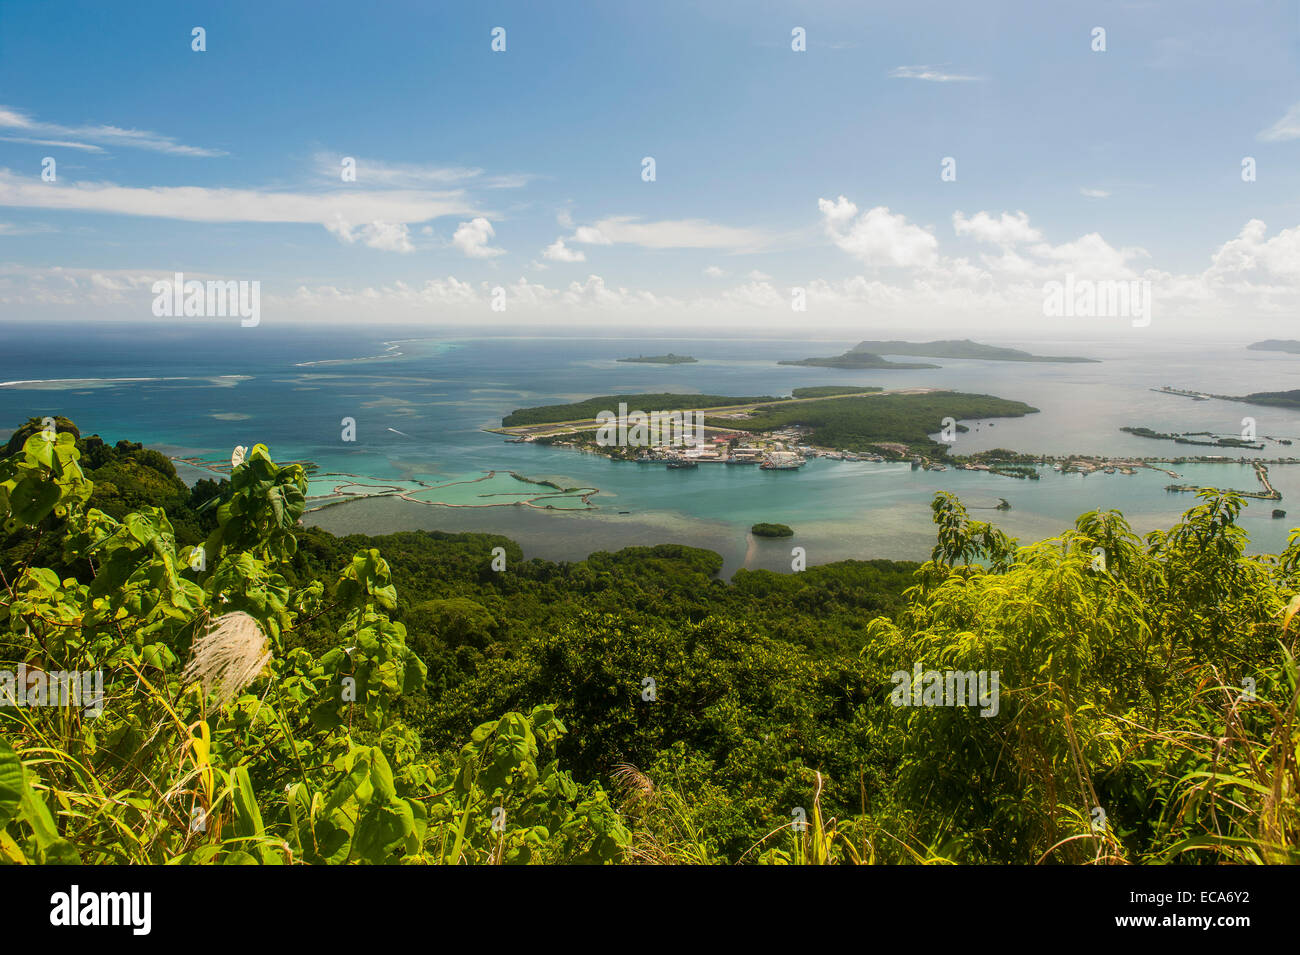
(421,397)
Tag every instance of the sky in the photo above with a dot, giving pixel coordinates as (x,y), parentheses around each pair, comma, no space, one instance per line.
(915,168)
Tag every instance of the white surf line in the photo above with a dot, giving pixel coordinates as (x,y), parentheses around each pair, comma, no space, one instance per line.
(91,381)
(390,352)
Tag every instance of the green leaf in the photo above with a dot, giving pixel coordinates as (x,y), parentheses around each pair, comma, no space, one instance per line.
(248,818)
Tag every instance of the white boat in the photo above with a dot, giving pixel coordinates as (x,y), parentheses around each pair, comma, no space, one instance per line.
(781,461)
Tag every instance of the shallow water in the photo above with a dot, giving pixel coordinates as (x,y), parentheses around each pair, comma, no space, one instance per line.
(419,405)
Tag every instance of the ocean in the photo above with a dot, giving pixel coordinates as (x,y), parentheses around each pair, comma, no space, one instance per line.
(420,399)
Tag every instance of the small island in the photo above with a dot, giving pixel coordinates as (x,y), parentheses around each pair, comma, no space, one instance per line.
(1206,438)
(856,360)
(669,359)
(771,530)
(961,348)
(1288,345)
(868,354)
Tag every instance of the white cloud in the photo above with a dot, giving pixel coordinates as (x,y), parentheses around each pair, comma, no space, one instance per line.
(589,235)
(756,294)
(1252,277)
(877,237)
(670,234)
(1094,193)
(1252,256)
(932,74)
(375,212)
(473,237)
(1005,231)
(557,251)
(713,272)
(105,135)
(757,276)
(53,143)
(375,172)
(385,236)
(1285,129)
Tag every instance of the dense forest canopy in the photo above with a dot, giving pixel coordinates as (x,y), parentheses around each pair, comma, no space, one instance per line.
(591,407)
(859,424)
(273,694)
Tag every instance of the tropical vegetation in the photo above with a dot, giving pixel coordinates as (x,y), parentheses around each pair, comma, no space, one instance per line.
(276,695)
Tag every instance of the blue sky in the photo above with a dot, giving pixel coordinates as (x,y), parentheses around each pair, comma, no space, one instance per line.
(522,169)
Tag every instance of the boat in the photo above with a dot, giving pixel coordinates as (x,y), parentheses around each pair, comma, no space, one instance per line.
(781,461)
(682,463)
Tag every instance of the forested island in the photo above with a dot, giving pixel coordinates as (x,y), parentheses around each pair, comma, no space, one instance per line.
(895,424)
(868,354)
(590,407)
(669,359)
(829,391)
(378,699)
(959,348)
(877,422)
(1279,399)
(855,360)
(1289,345)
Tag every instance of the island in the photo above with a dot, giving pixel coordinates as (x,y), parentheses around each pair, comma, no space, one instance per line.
(778,433)
(771,530)
(669,359)
(1191,437)
(1289,345)
(855,360)
(960,348)
(1276,399)
(830,391)
(867,354)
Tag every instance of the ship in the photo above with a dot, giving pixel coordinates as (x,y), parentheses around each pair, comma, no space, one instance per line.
(676,463)
(781,461)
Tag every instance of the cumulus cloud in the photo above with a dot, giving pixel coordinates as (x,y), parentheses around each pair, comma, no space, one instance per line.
(557,251)
(589,235)
(1253,256)
(877,237)
(385,236)
(473,237)
(1253,276)
(1008,229)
